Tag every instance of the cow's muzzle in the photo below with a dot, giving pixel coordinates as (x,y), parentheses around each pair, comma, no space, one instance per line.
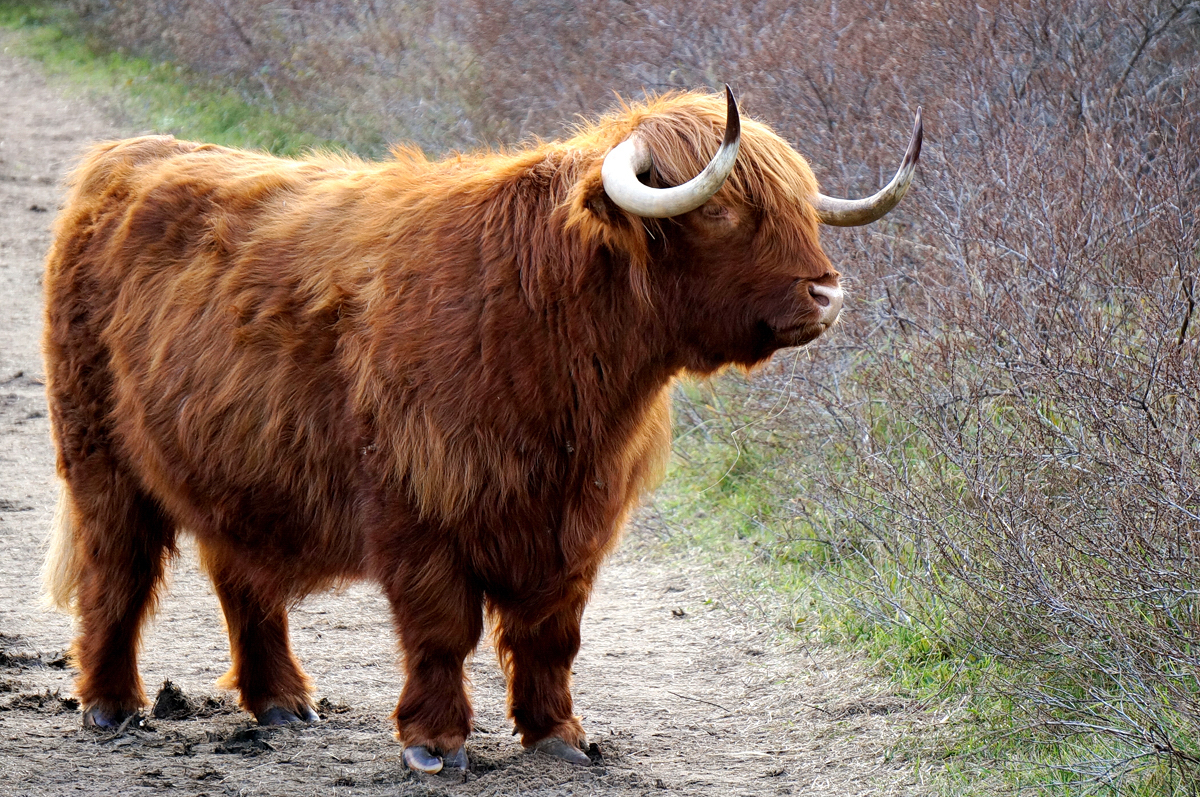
(828,299)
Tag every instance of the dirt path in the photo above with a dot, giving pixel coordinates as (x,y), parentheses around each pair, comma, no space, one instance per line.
(705,703)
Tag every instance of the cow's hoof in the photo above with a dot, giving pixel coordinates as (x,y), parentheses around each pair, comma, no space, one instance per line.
(557,747)
(276,715)
(96,717)
(419,758)
(456,761)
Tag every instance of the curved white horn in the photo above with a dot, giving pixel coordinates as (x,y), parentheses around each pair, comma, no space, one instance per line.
(855,212)
(631,157)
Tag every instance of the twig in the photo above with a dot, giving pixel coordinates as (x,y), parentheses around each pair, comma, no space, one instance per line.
(698,700)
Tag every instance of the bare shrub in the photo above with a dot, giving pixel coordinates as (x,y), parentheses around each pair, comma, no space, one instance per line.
(1004,447)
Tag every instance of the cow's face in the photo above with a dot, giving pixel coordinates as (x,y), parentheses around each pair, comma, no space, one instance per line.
(738,264)
(742,284)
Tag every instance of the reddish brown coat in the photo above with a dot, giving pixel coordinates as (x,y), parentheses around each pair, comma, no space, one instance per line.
(450,378)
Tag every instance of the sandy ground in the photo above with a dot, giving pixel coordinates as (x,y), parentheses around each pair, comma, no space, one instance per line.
(681,692)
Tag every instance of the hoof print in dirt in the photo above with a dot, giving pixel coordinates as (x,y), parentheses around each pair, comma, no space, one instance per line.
(213,706)
(246,742)
(172,704)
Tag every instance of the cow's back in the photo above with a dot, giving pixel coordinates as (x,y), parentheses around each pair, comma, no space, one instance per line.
(202,361)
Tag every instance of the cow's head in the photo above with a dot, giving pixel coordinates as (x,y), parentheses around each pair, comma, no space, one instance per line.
(730,243)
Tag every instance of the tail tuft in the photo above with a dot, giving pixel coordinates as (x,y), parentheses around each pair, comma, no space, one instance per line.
(61,571)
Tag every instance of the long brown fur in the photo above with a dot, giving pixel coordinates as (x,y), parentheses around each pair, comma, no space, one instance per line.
(451,378)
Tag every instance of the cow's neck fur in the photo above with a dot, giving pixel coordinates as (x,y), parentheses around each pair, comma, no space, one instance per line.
(562,360)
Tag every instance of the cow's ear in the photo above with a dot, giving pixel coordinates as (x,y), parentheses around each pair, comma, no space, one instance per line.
(597,202)
(589,202)
(598,221)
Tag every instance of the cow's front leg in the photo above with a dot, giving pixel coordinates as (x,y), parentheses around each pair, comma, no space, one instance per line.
(536,651)
(439,618)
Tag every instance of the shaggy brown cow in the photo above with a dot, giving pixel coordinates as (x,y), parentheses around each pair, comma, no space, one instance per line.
(449,377)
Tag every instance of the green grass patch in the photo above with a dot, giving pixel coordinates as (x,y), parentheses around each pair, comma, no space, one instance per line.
(735,492)
(153,96)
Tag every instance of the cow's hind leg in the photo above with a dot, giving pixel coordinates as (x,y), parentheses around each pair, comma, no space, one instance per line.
(122,540)
(536,651)
(272,685)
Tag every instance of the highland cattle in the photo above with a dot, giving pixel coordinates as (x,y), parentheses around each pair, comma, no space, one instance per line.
(450,377)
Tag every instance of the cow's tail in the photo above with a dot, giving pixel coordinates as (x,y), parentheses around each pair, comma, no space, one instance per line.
(62,569)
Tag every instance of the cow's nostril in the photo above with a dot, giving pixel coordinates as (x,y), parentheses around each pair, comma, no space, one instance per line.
(828,299)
